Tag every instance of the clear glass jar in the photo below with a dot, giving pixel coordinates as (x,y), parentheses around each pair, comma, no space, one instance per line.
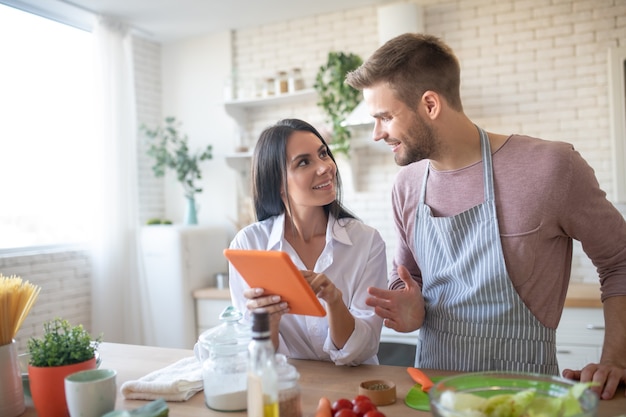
(281,83)
(230,331)
(225,376)
(223,352)
(268,88)
(295,82)
(290,404)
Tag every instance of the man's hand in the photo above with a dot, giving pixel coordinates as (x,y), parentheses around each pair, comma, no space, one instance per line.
(612,367)
(402,310)
(606,377)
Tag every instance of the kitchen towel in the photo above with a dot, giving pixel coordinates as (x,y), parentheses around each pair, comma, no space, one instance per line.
(176,382)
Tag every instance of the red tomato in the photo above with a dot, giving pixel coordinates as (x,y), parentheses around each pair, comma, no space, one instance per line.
(345,412)
(360,398)
(374,413)
(341,404)
(362,407)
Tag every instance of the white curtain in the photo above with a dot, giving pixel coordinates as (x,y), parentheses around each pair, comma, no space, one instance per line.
(119,307)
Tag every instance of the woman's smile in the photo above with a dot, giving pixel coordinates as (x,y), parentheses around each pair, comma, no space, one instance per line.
(328,184)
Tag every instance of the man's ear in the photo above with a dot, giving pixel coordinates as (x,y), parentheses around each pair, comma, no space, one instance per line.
(431,103)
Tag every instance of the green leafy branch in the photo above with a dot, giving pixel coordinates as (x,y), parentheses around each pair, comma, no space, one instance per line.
(170,150)
(337,98)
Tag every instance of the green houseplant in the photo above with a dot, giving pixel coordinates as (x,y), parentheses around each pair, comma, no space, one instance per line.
(170,150)
(337,98)
(62,350)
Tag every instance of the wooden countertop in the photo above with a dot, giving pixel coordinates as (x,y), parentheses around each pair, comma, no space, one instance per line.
(583,295)
(212,293)
(578,295)
(317,379)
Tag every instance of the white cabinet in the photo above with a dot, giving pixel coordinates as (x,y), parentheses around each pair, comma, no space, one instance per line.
(178,260)
(579,337)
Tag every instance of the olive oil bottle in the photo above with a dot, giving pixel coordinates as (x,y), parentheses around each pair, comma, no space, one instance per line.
(262,374)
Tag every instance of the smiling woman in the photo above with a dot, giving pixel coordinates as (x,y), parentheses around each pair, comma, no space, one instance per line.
(46,151)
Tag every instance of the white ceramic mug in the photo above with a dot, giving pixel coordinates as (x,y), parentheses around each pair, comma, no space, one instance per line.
(91,393)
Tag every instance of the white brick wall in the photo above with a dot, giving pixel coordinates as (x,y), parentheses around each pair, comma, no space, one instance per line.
(531,67)
(64,276)
(147,67)
(528,66)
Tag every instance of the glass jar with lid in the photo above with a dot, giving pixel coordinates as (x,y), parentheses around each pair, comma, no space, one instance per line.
(281,83)
(290,404)
(268,88)
(224,375)
(223,351)
(295,81)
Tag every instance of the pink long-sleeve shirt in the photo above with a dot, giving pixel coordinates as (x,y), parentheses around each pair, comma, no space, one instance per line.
(546,195)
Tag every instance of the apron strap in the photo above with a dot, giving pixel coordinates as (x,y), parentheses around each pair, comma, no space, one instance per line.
(485,148)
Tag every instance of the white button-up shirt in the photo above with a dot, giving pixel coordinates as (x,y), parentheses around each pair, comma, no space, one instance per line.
(354,259)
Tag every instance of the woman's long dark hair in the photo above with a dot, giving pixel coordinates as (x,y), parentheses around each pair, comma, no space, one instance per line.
(269,170)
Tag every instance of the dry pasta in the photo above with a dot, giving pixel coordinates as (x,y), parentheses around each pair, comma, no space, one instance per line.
(16,299)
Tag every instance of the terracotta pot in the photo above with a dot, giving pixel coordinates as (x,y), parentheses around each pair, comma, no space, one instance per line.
(47,387)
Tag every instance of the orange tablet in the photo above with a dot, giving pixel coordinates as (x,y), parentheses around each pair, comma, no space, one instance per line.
(276,274)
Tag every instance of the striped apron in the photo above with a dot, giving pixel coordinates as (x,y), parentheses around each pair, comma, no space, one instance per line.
(475,320)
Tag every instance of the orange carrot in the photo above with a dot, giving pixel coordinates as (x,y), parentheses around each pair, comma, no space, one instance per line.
(324,409)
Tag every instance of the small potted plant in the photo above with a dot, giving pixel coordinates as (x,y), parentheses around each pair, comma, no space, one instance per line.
(337,98)
(62,350)
(170,150)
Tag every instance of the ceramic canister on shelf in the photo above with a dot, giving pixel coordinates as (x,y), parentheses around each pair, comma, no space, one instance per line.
(11,390)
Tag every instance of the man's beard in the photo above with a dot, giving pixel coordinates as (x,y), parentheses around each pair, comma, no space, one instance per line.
(419,143)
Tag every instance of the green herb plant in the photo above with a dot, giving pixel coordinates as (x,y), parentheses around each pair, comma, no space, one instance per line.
(62,344)
(337,98)
(170,150)
(153,221)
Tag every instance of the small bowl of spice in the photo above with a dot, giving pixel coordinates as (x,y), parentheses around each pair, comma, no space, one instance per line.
(381,392)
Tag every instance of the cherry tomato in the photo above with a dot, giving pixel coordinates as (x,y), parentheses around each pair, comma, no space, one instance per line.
(341,404)
(360,398)
(362,407)
(345,412)
(374,413)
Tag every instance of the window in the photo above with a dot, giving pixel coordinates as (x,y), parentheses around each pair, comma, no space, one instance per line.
(47,140)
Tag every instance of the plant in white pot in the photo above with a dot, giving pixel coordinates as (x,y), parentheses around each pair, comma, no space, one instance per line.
(170,150)
(61,351)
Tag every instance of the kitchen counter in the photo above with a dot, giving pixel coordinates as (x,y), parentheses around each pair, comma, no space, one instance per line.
(211,293)
(317,379)
(583,295)
(578,295)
